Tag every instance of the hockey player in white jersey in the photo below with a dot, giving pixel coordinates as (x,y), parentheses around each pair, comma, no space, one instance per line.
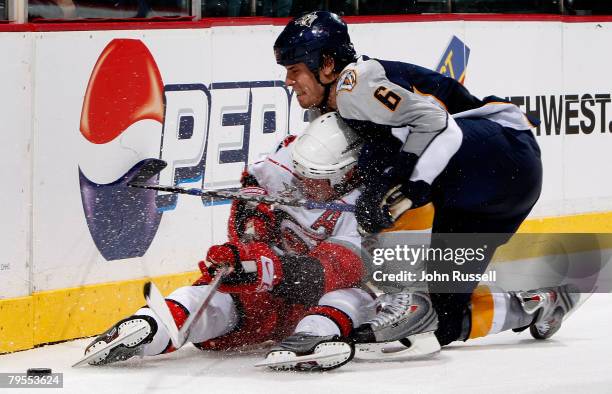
(480,168)
(294,270)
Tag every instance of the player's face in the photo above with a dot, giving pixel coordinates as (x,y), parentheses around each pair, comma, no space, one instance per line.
(316,189)
(308,90)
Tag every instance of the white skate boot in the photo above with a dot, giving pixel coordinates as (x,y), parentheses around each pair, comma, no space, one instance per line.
(549,305)
(307,352)
(402,329)
(121,342)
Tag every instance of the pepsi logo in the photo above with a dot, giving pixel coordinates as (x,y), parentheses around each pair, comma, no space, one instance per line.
(206,134)
(125,87)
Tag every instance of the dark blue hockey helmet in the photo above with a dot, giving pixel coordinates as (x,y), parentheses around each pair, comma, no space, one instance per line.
(307,38)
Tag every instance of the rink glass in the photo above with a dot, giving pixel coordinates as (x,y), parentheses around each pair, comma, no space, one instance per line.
(93,10)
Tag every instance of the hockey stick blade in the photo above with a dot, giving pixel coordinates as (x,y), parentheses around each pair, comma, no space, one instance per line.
(157,303)
(148,169)
(237,195)
(127,337)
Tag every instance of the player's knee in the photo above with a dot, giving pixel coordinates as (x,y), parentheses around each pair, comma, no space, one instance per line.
(189,296)
(186,300)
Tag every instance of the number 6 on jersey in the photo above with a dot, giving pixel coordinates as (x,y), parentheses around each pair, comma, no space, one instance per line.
(387,97)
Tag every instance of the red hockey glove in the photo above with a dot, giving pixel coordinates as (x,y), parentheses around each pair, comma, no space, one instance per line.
(254,267)
(251,221)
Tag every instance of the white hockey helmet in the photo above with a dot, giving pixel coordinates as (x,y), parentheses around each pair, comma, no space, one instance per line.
(327,149)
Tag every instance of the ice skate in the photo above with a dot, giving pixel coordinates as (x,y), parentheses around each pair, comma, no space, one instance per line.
(549,305)
(307,352)
(121,342)
(402,329)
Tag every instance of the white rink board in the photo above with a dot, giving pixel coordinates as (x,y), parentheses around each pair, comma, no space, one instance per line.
(583,174)
(15,148)
(212,75)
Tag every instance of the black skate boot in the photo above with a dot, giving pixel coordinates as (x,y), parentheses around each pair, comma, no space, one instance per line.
(402,329)
(549,306)
(307,352)
(122,341)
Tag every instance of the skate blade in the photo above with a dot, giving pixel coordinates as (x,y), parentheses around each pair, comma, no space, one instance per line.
(422,346)
(130,335)
(325,356)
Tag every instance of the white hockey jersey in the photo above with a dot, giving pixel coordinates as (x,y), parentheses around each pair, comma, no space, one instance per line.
(303,229)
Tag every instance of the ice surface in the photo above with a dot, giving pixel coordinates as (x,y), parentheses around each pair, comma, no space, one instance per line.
(577,359)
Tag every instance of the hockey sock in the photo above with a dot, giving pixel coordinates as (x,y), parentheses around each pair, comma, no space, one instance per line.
(495,311)
(219,318)
(338,313)
(318,325)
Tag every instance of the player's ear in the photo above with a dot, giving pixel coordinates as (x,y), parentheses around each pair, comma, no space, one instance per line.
(327,73)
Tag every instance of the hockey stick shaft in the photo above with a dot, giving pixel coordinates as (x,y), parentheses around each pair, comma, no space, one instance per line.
(157,303)
(236,195)
(213,286)
(153,166)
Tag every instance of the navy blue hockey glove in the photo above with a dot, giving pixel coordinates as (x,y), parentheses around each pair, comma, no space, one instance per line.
(372,215)
(388,192)
(378,209)
(379,206)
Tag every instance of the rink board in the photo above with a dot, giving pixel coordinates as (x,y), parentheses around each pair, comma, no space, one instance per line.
(224,104)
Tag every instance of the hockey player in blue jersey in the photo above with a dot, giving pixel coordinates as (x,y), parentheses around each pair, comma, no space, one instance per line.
(427,141)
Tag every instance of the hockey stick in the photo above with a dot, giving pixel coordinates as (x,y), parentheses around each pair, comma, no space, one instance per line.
(154,166)
(157,303)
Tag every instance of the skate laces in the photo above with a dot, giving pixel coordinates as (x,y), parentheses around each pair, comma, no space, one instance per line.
(392,309)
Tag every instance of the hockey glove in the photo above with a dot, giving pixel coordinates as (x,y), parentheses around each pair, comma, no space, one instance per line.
(379,206)
(389,194)
(254,267)
(251,221)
